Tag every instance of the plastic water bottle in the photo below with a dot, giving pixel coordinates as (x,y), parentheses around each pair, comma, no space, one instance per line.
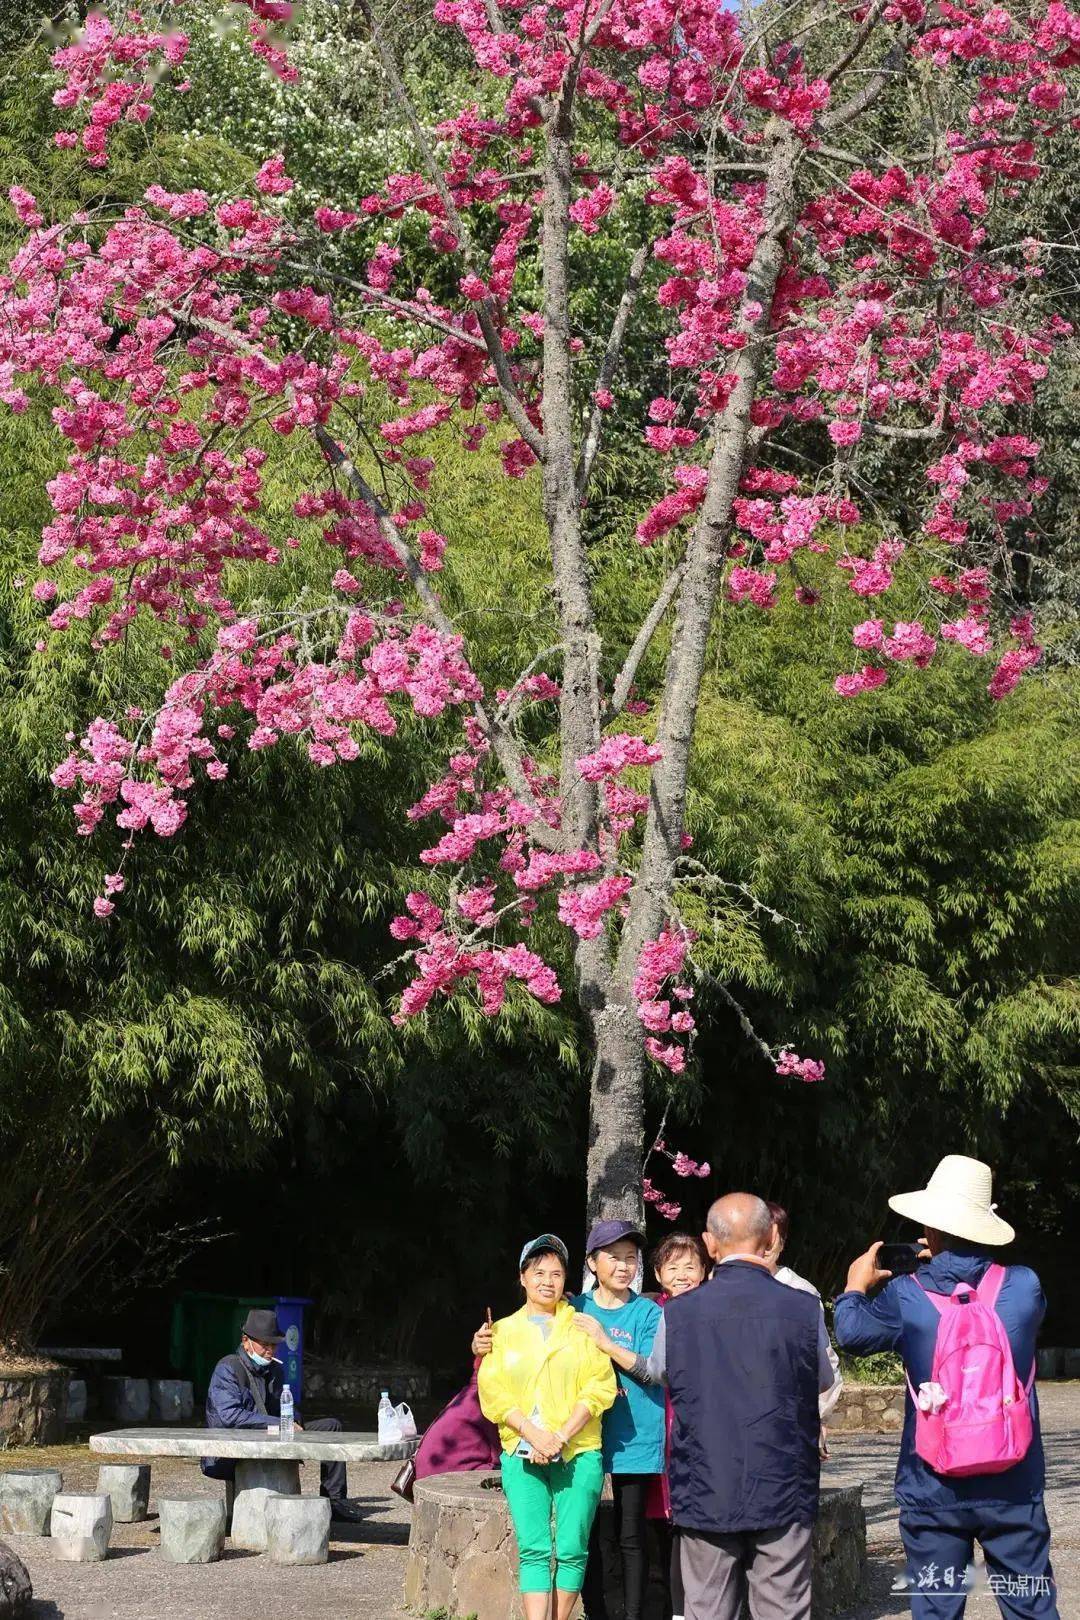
(389,1428)
(285,1421)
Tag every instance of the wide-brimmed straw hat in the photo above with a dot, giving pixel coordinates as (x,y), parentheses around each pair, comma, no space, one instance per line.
(956,1200)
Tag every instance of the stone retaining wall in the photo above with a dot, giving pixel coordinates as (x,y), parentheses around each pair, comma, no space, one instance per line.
(462,1556)
(364,1384)
(871,1408)
(33,1408)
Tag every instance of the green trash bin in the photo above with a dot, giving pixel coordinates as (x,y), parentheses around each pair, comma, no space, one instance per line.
(204,1328)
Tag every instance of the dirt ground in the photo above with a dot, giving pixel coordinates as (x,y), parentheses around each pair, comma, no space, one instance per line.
(363,1580)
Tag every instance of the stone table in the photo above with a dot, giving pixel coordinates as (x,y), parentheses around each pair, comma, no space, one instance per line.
(84,1355)
(264,1461)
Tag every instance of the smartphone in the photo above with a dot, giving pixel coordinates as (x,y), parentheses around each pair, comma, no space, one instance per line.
(899,1258)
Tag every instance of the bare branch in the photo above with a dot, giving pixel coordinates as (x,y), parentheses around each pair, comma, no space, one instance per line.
(649,626)
(858,42)
(740,1013)
(609,363)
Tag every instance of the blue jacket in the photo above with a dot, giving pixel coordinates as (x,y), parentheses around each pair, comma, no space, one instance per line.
(901,1318)
(240,1396)
(742,1356)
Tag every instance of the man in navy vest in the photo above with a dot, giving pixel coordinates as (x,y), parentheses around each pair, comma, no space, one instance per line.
(745,1359)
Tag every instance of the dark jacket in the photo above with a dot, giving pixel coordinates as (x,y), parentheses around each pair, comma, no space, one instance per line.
(743,1370)
(241,1396)
(901,1318)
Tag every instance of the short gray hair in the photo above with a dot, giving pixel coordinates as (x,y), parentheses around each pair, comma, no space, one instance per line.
(741,1218)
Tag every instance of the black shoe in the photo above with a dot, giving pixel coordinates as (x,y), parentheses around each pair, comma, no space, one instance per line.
(346,1512)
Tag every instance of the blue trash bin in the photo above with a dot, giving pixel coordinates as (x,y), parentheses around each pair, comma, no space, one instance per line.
(290,1315)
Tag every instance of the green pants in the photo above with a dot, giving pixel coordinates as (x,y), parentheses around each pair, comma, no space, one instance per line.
(572,1489)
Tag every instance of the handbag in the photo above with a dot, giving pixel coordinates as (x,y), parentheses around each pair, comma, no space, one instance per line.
(404,1480)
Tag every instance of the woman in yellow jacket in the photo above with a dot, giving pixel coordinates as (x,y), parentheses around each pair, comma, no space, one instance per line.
(546,1385)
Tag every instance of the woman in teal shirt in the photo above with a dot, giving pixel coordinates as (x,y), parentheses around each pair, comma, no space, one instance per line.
(624,1325)
(633,1435)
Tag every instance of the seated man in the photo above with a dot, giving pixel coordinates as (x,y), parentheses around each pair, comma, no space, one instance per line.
(245,1393)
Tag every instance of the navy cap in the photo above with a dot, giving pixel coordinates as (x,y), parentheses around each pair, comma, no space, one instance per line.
(547,1241)
(604,1233)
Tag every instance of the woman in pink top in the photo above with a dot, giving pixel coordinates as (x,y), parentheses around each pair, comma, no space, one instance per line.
(680,1264)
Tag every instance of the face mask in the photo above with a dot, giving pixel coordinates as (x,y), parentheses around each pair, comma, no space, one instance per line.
(260,1361)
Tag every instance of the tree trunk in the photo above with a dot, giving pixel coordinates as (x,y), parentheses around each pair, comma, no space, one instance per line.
(617,1106)
(616,1112)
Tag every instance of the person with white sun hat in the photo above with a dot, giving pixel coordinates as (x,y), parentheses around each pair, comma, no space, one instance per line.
(971,1458)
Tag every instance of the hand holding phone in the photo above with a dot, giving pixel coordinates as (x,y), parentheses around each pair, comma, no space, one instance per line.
(902,1259)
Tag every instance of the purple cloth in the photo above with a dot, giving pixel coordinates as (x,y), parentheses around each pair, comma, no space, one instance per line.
(460,1439)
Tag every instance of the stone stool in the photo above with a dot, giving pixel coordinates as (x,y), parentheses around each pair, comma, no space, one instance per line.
(127,1400)
(166,1402)
(192,1529)
(81,1526)
(187,1400)
(298,1529)
(128,1487)
(26,1499)
(77,1400)
(257,1479)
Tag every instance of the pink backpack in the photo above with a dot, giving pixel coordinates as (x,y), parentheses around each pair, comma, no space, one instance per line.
(978,1419)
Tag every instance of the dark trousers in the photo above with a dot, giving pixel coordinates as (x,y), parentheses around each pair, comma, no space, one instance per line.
(664,1593)
(629,1492)
(332,1476)
(1015,1539)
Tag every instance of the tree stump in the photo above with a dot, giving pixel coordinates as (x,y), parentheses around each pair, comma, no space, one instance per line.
(26,1499)
(298,1529)
(463,1558)
(81,1526)
(192,1529)
(127,1486)
(16,1592)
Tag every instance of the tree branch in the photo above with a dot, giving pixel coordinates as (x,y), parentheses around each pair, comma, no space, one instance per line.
(858,42)
(485,309)
(609,364)
(864,98)
(502,742)
(400,306)
(649,626)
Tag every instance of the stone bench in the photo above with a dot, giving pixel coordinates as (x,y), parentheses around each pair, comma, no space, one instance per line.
(172,1400)
(81,1526)
(26,1499)
(126,1399)
(298,1529)
(192,1529)
(127,1485)
(463,1558)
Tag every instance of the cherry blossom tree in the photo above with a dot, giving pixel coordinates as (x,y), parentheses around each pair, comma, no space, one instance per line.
(819,200)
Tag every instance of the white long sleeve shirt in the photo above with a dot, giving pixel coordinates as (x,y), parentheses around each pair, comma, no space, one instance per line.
(828,1398)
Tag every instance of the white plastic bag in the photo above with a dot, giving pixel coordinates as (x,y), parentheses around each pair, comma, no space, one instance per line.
(406,1421)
